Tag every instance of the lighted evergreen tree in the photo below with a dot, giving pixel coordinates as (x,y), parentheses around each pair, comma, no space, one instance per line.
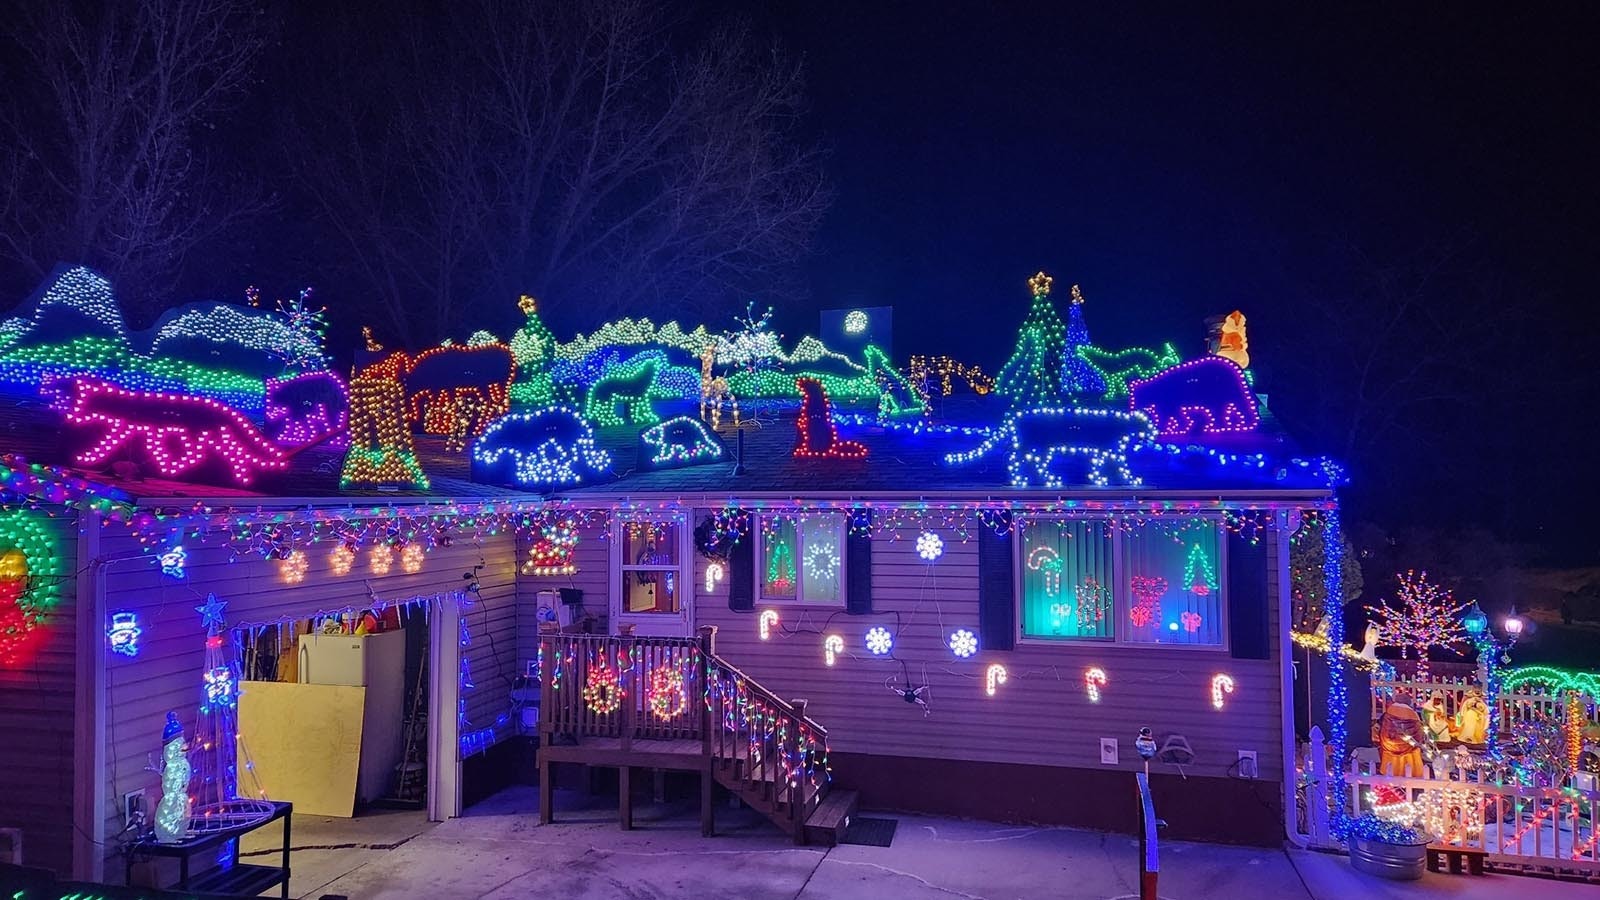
(1078,378)
(534,348)
(215,752)
(1033,375)
(1422,615)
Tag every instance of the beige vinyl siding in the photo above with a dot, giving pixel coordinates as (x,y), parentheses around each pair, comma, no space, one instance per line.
(593,559)
(37,709)
(1041,715)
(165,675)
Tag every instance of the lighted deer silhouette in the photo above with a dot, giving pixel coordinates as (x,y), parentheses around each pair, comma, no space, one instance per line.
(714,390)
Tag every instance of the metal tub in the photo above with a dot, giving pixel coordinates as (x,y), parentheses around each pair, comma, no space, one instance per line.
(1399,862)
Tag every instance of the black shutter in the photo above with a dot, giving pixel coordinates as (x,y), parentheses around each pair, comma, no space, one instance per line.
(1248,634)
(997,602)
(742,570)
(858,565)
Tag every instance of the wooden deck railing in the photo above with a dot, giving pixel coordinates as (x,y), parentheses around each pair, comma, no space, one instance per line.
(659,688)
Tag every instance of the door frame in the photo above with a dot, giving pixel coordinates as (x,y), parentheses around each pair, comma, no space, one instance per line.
(653,624)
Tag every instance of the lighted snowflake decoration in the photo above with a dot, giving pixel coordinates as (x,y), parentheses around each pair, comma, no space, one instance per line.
(929,546)
(963,643)
(822,562)
(855,322)
(879,641)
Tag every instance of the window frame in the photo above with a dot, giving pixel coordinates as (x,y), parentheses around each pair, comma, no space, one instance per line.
(758,572)
(620,566)
(1121,578)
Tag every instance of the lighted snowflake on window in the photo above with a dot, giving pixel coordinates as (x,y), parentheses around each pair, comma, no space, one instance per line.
(879,641)
(963,643)
(822,562)
(929,546)
(855,322)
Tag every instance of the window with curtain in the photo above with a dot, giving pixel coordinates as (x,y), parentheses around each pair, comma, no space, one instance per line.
(1174,583)
(1066,573)
(801,560)
(650,567)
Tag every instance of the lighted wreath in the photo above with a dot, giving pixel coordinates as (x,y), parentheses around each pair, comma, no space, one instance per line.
(601,690)
(668,699)
(29,578)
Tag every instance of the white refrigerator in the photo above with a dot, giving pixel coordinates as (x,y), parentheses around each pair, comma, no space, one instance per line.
(376,662)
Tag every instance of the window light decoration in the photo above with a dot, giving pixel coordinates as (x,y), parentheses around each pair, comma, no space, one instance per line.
(341,559)
(553,447)
(382,452)
(963,643)
(554,550)
(380,558)
(1147,592)
(715,572)
(629,386)
(768,621)
(1037,440)
(1047,560)
(879,641)
(173,562)
(818,438)
(411,559)
(1220,684)
(176,434)
(1094,601)
(822,561)
(1190,620)
(1198,576)
(832,648)
(1202,396)
(993,678)
(929,546)
(668,697)
(1094,678)
(293,567)
(123,635)
(679,441)
(855,322)
(602,689)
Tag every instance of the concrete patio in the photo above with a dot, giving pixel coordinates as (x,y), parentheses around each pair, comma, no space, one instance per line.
(499,851)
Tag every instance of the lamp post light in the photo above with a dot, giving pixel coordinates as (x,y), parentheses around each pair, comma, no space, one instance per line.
(1491,652)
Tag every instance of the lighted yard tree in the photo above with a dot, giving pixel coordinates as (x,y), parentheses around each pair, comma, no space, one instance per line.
(1421,616)
(1078,378)
(1033,375)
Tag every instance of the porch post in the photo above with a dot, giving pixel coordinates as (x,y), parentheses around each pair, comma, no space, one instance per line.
(444,691)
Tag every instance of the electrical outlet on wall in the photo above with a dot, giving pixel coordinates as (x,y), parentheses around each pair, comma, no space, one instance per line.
(133,805)
(1247,764)
(1108,751)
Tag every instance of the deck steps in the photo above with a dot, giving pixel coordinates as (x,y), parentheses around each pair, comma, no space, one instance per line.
(826,826)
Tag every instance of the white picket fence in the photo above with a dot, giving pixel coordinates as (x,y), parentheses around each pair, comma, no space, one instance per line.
(1522,705)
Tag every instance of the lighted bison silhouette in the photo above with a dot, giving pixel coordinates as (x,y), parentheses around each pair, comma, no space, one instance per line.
(1202,396)
(539,450)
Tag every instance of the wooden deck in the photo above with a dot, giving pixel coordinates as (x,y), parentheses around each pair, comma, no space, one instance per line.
(678,754)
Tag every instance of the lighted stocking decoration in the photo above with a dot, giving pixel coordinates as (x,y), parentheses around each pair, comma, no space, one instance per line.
(817,435)
(172,814)
(1147,591)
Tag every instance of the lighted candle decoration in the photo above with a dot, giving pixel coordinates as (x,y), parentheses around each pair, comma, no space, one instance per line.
(1220,684)
(996,676)
(294,567)
(1094,678)
(379,559)
(714,574)
(832,646)
(769,619)
(963,643)
(411,559)
(341,559)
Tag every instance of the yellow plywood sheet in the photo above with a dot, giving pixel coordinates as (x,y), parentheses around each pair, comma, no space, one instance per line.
(305,742)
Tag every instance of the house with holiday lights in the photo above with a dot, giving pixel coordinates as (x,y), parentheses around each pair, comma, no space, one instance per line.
(804,573)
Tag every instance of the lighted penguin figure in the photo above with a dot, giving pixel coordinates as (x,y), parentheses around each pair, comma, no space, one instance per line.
(172,815)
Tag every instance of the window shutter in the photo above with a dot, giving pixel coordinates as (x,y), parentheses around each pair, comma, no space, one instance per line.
(858,565)
(997,602)
(1249,636)
(742,571)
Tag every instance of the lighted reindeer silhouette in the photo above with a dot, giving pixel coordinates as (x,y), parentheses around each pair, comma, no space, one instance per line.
(714,390)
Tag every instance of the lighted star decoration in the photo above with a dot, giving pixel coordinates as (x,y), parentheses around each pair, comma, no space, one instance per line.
(1040,284)
(1077,296)
(528,305)
(963,643)
(879,641)
(211,612)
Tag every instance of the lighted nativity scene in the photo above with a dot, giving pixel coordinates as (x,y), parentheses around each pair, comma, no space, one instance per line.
(808,577)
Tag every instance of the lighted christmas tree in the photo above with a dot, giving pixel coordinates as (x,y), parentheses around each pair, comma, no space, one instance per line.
(1032,376)
(1078,378)
(534,349)
(215,752)
(1423,615)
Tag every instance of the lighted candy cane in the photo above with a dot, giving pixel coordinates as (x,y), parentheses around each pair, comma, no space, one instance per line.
(1220,684)
(832,646)
(1048,561)
(1094,678)
(714,573)
(996,677)
(769,618)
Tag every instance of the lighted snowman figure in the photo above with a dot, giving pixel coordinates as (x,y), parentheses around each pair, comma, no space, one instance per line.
(172,815)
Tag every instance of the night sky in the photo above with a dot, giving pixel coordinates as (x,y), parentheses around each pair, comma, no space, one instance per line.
(1179,166)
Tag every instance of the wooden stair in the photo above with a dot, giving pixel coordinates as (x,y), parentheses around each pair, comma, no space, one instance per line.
(763,750)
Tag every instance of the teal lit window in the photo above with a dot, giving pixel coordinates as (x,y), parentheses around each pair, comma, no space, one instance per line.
(1067,572)
(801,560)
